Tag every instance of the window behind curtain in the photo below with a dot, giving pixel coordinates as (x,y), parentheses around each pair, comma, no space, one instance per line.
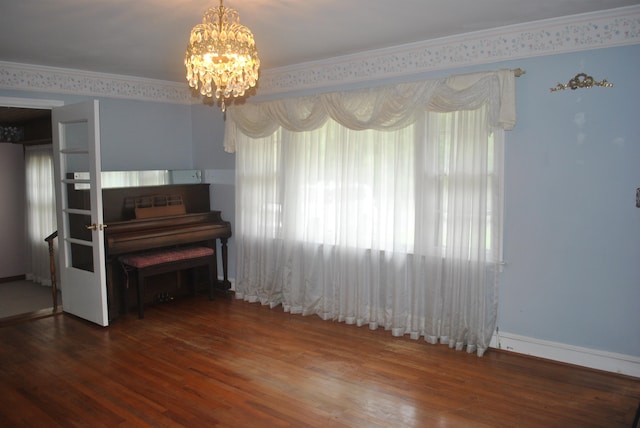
(40,207)
(410,190)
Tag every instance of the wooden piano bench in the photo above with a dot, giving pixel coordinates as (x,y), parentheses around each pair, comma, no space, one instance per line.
(163,261)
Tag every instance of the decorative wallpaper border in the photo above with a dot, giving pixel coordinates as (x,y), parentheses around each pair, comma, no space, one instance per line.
(615,27)
(28,77)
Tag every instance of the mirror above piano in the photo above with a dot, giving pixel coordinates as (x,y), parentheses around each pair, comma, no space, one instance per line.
(160,177)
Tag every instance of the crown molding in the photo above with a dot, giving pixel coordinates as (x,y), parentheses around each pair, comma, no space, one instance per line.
(611,28)
(27,77)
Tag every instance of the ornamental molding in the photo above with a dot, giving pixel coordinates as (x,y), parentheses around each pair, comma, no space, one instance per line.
(28,77)
(612,28)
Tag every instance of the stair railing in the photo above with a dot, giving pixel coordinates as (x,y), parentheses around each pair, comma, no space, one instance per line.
(52,267)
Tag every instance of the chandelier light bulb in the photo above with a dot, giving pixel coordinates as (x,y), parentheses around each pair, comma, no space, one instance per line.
(221,57)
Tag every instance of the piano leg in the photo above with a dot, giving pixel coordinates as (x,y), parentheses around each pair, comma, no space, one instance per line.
(212,280)
(140,291)
(225,274)
(115,299)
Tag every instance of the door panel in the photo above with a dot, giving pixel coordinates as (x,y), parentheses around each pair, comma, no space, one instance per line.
(76,147)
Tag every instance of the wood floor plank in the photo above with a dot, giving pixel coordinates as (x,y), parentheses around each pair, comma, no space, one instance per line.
(229,363)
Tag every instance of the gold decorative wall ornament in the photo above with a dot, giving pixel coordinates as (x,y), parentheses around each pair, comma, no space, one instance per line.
(581,80)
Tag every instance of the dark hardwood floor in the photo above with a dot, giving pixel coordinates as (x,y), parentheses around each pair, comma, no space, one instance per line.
(228,363)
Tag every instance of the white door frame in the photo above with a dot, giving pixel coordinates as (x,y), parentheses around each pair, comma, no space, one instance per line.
(47,104)
(30,103)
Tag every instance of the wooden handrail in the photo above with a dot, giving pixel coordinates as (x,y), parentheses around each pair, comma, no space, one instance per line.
(52,267)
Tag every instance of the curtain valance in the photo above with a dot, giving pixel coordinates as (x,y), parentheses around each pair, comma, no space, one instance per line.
(384,108)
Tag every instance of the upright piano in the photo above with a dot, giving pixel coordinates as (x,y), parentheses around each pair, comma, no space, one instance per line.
(129,232)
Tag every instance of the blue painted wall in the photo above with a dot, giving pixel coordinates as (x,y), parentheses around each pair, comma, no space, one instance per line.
(218,167)
(140,135)
(572,231)
(136,134)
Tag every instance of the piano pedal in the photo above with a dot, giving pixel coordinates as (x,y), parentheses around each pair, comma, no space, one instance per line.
(164,297)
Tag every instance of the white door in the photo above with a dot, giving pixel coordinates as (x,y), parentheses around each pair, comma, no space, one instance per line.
(76,148)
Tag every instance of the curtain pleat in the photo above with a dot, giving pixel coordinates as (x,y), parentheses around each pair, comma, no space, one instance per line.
(386,108)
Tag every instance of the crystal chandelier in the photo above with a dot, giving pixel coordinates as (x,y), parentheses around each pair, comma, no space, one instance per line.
(221,57)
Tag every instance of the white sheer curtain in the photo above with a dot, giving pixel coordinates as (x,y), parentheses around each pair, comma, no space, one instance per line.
(379,207)
(40,207)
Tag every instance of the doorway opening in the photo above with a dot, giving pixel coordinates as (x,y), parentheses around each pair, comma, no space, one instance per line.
(25,125)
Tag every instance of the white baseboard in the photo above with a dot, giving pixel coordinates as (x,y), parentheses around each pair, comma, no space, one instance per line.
(592,358)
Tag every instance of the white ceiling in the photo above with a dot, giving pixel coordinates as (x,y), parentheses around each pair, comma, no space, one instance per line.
(147,38)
